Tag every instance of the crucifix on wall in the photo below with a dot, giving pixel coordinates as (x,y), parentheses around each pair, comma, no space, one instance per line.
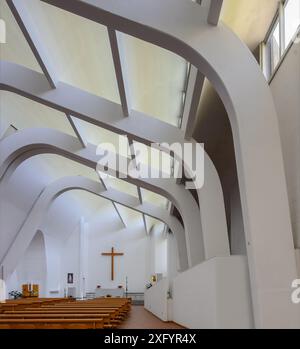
(112,254)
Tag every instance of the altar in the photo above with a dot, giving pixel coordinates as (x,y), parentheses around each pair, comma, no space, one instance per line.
(112,292)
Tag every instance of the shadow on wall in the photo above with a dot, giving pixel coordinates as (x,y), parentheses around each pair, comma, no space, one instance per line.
(32,267)
(214,130)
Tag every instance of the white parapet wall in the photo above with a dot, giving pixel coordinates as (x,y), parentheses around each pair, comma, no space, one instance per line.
(214,294)
(297,252)
(156,299)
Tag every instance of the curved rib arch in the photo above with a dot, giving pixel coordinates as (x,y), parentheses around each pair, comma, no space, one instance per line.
(62,185)
(28,142)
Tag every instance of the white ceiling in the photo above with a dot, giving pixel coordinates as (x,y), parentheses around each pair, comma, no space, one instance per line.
(80,52)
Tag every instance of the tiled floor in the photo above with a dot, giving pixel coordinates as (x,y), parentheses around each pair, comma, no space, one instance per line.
(139,318)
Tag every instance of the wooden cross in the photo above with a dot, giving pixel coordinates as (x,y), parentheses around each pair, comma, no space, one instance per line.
(112,254)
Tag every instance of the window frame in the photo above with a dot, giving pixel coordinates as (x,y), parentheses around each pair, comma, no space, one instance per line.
(266,55)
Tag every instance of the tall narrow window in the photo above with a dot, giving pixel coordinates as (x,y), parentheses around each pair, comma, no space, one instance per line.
(273,45)
(291,19)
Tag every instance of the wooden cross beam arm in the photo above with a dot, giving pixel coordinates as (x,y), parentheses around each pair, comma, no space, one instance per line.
(112,254)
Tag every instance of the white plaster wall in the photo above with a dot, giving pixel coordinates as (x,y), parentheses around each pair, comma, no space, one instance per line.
(158,250)
(214,294)
(172,260)
(286,91)
(16,199)
(105,232)
(53,248)
(70,260)
(156,299)
(32,267)
(297,252)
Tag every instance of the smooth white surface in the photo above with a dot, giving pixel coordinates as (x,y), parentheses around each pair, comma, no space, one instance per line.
(285,88)
(297,252)
(214,294)
(156,299)
(114,292)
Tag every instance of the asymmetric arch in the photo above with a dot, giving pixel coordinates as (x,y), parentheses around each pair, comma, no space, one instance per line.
(62,185)
(214,241)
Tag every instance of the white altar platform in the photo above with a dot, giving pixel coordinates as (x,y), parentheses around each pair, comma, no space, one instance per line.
(113,292)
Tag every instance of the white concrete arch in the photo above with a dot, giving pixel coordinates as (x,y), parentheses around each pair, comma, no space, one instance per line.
(181,27)
(62,185)
(31,142)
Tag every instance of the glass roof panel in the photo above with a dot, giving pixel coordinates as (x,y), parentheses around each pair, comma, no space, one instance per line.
(16,48)
(80,49)
(23,113)
(157,79)
(123,186)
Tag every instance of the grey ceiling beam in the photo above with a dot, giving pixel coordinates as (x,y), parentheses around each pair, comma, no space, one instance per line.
(120,69)
(118,213)
(119,65)
(195,81)
(31,34)
(104,185)
(74,122)
(214,12)
(139,191)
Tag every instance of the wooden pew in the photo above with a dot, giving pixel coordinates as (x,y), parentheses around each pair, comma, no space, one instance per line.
(117,311)
(108,322)
(39,323)
(61,313)
(109,318)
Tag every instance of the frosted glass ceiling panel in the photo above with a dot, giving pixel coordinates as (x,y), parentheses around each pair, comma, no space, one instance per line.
(154,198)
(100,136)
(79,49)
(93,204)
(121,185)
(130,216)
(157,79)
(58,166)
(16,49)
(24,113)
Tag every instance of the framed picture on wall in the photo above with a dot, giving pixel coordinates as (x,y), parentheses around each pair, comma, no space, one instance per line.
(70,278)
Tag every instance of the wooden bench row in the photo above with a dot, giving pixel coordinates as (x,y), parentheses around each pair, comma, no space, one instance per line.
(64,314)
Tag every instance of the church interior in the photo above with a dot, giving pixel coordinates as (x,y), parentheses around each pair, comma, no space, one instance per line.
(89,85)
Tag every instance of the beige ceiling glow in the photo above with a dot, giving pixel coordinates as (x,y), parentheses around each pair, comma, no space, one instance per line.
(249,19)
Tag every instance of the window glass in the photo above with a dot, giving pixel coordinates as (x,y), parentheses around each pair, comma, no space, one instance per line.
(274,47)
(292,19)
